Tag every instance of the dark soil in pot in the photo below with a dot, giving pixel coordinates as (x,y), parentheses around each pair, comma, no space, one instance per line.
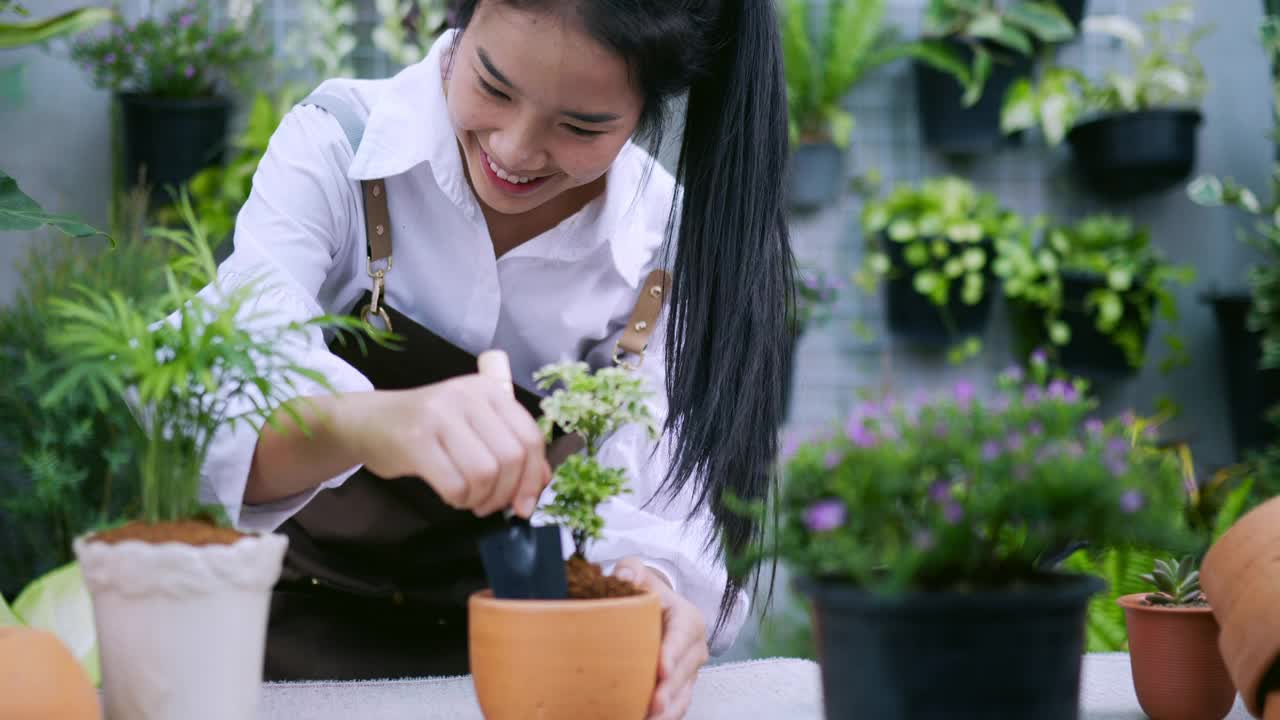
(188,532)
(946,124)
(914,318)
(1129,154)
(588,582)
(1251,389)
(952,655)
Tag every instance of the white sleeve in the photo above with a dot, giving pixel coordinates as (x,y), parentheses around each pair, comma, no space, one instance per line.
(670,534)
(291,233)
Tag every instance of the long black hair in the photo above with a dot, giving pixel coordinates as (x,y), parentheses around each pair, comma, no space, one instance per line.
(731,258)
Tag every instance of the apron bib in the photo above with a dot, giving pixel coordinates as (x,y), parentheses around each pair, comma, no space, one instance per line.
(378,570)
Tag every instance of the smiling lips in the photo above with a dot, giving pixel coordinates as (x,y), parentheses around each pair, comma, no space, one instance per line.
(509,182)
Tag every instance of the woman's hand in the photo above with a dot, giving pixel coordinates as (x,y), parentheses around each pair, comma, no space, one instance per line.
(684,642)
(468,438)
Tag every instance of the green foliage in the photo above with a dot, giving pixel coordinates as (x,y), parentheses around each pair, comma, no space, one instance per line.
(822,69)
(1121,569)
(956,493)
(20,213)
(1165,73)
(324,41)
(408,28)
(592,405)
(991,31)
(187,365)
(941,234)
(815,294)
(1176,582)
(19,33)
(179,55)
(1136,279)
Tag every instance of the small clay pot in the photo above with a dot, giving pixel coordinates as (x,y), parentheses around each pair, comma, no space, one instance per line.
(1178,673)
(1241,576)
(564,659)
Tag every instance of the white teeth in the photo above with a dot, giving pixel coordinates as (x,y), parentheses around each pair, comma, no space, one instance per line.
(517,179)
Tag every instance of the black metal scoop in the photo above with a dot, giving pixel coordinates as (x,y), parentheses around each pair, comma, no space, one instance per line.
(522,562)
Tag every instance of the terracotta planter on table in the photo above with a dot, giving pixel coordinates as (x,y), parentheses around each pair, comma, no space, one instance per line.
(1178,673)
(1241,577)
(564,659)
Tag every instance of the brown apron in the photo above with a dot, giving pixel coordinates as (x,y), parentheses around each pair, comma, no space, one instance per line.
(378,570)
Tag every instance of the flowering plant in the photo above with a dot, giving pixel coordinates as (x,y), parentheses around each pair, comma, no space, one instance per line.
(181,55)
(956,493)
(815,294)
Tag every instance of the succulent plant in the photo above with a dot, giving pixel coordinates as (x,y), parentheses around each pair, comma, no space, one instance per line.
(1176,582)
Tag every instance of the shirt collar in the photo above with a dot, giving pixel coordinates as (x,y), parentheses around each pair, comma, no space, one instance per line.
(409,125)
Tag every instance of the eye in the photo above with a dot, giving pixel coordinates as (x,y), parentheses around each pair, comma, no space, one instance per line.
(583,132)
(493,91)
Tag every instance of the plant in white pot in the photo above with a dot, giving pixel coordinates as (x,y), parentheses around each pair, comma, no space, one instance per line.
(179,598)
(594,654)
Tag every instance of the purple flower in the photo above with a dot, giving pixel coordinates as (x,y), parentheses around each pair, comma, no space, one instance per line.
(940,491)
(952,512)
(963,392)
(790,444)
(1013,374)
(1128,418)
(1014,442)
(1075,449)
(940,429)
(186,21)
(1117,466)
(831,460)
(189,72)
(1039,357)
(858,434)
(1000,404)
(1033,395)
(923,540)
(1131,502)
(1094,427)
(1117,447)
(1034,428)
(109,59)
(1151,432)
(990,450)
(1071,395)
(824,515)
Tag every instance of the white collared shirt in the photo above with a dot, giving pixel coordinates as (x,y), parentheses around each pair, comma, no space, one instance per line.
(564,294)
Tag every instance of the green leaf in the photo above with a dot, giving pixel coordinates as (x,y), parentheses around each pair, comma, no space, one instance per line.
(942,57)
(1232,508)
(1059,333)
(20,213)
(1115,26)
(841,123)
(6,614)
(29,32)
(1043,20)
(1019,109)
(855,25)
(59,603)
(978,78)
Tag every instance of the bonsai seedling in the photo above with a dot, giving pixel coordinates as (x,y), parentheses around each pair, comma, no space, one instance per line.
(1176,583)
(592,405)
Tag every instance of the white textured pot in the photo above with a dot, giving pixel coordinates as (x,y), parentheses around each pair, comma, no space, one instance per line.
(181,629)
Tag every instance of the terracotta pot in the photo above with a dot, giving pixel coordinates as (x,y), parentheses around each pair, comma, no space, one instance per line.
(1178,673)
(1241,577)
(564,659)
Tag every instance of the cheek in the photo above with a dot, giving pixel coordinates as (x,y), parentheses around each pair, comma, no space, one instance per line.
(587,161)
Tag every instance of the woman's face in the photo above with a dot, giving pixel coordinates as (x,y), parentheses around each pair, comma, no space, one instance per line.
(537,105)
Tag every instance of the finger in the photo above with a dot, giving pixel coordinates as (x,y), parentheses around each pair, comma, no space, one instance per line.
(508,452)
(671,703)
(478,467)
(437,469)
(536,471)
(637,573)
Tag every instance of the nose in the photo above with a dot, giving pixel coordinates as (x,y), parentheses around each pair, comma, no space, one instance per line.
(519,147)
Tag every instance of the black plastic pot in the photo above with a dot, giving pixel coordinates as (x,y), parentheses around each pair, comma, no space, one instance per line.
(1251,390)
(815,176)
(946,124)
(914,318)
(1074,10)
(167,140)
(1090,353)
(1129,154)
(951,655)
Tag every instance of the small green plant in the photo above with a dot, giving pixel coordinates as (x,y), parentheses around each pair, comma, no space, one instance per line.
(1176,582)
(592,405)
(1133,281)
(179,55)
(815,294)
(187,364)
(991,31)
(1165,73)
(941,234)
(19,213)
(822,70)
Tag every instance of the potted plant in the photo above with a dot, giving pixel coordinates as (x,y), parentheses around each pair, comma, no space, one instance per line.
(175,585)
(970,54)
(1130,133)
(933,244)
(171,76)
(919,530)
(1089,293)
(1178,673)
(820,72)
(596,653)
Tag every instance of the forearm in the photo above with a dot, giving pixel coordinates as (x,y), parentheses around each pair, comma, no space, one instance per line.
(289,460)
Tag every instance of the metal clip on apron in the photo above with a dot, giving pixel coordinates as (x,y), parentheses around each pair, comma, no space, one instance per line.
(378,570)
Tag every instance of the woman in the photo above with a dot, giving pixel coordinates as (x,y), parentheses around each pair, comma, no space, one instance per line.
(523,218)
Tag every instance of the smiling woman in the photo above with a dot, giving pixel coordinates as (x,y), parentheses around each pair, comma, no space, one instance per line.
(526,217)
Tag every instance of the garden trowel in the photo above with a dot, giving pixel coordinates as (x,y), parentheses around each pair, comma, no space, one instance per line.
(522,562)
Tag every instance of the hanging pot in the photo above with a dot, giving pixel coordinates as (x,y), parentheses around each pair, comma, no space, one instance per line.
(815,176)
(947,125)
(167,140)
(1012,653)
(914,318)
(1251,389)
(1130,154)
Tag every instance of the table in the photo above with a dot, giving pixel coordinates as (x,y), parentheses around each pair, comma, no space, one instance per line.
(779,688)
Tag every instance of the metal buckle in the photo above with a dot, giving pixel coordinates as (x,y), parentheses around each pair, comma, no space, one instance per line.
(379,282)
(617,358)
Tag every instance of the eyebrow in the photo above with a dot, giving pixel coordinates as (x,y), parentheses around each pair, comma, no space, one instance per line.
(589,118)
